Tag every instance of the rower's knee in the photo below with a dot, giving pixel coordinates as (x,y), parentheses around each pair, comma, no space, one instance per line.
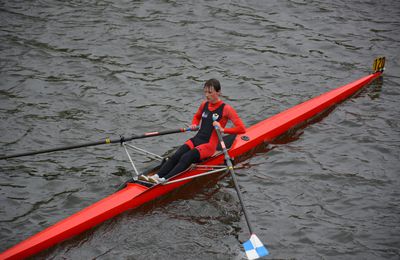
(190,157)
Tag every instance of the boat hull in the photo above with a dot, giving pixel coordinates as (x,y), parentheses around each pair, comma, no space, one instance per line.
(134,194)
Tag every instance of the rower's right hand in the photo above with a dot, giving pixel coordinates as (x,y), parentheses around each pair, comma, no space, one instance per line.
(193,127)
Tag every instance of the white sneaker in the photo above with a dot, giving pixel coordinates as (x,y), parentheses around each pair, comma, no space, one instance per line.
(143,178)
(154,179)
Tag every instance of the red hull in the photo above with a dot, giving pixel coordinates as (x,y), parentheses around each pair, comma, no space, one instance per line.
(135,195)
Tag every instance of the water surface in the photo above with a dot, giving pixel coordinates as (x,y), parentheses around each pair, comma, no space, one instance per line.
(74,71)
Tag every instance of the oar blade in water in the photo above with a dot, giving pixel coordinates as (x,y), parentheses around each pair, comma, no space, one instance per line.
(254,248)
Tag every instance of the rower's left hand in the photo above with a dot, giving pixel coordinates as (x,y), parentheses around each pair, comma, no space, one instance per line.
(216,123)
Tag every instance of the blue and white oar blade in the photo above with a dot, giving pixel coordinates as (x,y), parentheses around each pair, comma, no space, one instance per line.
(254,248)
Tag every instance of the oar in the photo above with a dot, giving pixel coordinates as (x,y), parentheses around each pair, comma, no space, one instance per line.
(254,247)
(106,141)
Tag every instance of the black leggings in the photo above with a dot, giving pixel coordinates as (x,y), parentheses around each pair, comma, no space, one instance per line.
(179,162)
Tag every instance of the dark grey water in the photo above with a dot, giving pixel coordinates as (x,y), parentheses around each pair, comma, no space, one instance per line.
(77,71)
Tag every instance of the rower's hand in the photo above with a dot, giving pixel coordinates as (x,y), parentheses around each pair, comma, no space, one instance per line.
(194,127)
(216,123)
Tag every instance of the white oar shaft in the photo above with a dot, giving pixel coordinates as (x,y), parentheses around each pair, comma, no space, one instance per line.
(133,165)
(142,151)
(196,176)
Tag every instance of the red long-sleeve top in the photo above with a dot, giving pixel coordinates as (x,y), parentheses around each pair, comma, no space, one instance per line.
(228,114)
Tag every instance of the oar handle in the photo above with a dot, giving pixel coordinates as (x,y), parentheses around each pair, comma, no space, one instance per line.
(105,141)
(229,163)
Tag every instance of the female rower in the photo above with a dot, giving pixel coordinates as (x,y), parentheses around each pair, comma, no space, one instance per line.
(205,142)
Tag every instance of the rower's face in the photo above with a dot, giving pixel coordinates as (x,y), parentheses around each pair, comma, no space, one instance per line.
(211,95)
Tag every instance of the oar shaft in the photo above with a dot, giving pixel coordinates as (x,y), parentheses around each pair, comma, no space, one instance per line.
(51,150)
(105,141)
(232,172)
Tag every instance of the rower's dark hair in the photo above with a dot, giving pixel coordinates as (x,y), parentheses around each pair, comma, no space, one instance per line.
(213,83)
